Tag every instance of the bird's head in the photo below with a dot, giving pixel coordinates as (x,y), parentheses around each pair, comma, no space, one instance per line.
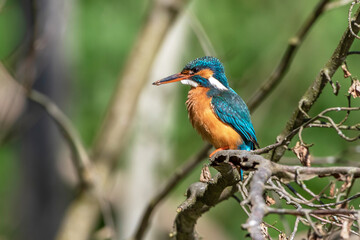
(205,72)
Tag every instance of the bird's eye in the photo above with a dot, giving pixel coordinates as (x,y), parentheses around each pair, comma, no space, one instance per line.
(196,69)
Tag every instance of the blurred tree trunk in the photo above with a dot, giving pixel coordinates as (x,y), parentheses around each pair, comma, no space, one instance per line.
(151,142)
(83,213)
(43,197)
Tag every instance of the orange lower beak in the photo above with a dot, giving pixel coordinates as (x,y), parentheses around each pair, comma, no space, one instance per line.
(173,78)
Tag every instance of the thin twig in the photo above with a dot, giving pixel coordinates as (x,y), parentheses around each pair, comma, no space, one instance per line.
(332,223)
(292,236)
(319,195)
(355,127)
(280,71)
(258,204)
(314,91)
(200,33)
(273,227)
(337,4)
(347,113)
(286,140)
(263,170)
(308,218)
(349,19)
(339,132)
(86,173)
(179,175)
(304,212)
(80,156)
(353,53)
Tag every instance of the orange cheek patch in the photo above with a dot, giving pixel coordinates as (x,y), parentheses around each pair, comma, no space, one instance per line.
(205,73)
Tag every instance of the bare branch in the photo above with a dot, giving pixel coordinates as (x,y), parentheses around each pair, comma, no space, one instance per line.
(280,71)
(339,132)
(295,228)
(355,127)
(347,113)
(80,156)
(112,134)
(179,175)
(337,4)
(202,196)
(314,91)
(257,201)
(304,212)
(200,33)
(286,140)
(349,19)
(264,169)
(85,172)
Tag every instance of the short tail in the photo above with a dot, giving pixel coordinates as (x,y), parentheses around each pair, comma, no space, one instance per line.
(248,146)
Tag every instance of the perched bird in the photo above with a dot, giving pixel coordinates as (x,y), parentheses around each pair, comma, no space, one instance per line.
(217,113)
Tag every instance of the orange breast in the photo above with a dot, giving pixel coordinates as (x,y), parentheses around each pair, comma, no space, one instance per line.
(207,124)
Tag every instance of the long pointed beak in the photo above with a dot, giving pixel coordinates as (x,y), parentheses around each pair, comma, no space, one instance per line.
(173,78)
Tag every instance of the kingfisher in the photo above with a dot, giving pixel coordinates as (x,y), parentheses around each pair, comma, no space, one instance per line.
(215,110)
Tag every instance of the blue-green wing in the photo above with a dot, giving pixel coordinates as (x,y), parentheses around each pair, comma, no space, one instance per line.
(231,109)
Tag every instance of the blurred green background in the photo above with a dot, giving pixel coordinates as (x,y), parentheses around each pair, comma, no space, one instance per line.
(249,38)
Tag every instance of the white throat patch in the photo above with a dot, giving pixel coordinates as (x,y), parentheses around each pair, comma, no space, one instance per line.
(189,82)
(216,83)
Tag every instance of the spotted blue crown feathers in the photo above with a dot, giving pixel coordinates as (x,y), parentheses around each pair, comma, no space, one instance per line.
(211,63)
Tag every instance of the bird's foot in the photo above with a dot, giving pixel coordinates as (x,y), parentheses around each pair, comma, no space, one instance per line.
(217,150)
(239,169)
